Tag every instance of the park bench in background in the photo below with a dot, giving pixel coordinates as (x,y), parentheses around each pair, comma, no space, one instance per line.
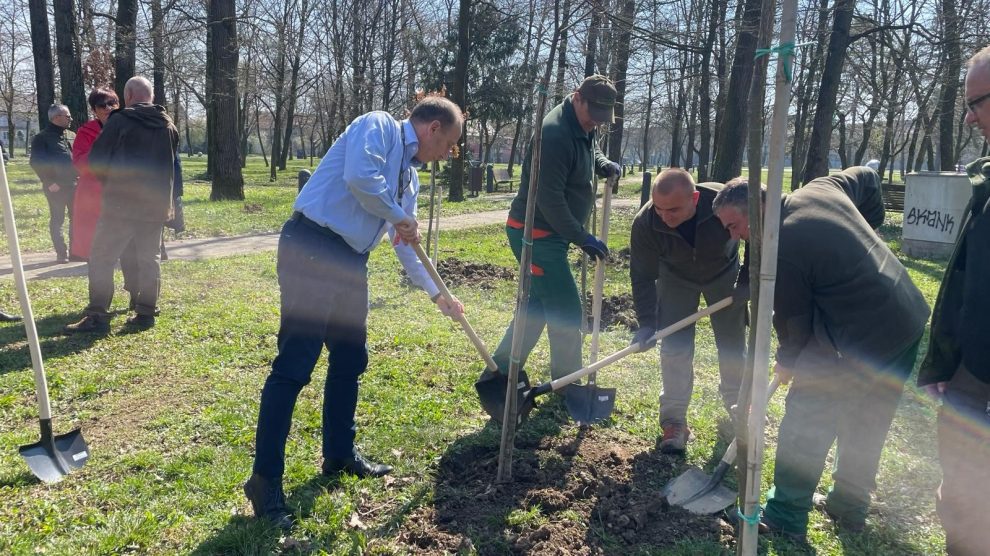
(893,196)
(500,176)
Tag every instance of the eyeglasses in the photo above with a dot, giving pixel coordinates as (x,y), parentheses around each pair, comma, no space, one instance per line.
(107,104)
(972,104)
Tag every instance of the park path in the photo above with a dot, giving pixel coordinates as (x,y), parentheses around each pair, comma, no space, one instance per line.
(38,266)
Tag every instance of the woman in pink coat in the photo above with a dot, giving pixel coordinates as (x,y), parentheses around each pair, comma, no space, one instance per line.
(86,208)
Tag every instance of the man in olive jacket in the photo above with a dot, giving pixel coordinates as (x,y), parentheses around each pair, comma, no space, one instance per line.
(957,365)
(134,159)
(679,251)
(569,158)
(848,321)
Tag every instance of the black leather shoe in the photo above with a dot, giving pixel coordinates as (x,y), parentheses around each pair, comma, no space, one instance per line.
(89,323)
(5,317)
(141,322)
(356,465)
(268,501)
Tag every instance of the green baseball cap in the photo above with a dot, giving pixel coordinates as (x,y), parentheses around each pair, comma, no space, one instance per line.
(600,94)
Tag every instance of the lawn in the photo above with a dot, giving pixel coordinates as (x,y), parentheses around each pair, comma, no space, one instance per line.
(169,415)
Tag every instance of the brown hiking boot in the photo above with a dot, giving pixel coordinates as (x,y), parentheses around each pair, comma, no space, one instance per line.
(89,324)
(141,322)
(675,437)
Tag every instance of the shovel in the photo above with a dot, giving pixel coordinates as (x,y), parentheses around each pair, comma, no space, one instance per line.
(698,493)
(588,403)
(527,402)
(54,456)
(491,382)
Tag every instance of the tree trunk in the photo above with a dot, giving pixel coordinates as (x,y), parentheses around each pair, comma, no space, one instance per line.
(559,90)
(946,105)
(158,52)
(69,62)
(228,182)
(624,28)
(816,164)
(705,100)
(44,73)
(731,138)
(125,45)
(843,157)
(458,94)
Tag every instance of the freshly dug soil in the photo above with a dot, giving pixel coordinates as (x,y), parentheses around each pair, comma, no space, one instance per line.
(484,276)
(594,494)
(617,310)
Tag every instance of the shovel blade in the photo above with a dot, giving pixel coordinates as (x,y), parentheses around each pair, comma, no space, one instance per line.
(588,404)
(491,387)
(55,457)
(686,491)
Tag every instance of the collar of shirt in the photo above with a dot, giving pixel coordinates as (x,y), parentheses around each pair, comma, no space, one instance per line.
(411,146)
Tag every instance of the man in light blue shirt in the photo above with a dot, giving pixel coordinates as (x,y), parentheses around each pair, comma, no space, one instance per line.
(366,185)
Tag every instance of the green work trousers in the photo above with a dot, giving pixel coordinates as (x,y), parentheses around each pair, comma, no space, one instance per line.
(851,403)
(554,303)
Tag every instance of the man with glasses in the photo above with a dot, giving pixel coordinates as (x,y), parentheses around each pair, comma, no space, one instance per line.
(569,159)
(956,368)
(365,186)
(51,158)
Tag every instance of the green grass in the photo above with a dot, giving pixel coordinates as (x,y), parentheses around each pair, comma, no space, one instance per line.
(169,413)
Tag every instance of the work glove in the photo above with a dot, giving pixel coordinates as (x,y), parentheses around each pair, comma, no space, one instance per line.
(612,169)
(643,338)
(740,294)
(594,247)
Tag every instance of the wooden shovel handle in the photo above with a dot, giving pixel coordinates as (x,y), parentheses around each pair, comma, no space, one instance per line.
(478,344)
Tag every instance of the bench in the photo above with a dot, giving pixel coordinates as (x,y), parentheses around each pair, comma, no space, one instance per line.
(501,176)
(893,196)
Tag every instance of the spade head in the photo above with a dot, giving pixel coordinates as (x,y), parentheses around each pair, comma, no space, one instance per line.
(54,457)
(695,491)
(491,387)
(588,404)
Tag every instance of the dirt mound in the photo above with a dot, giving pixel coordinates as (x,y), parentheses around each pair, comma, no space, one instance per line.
(456,272)
(616,260)
(617,310)
(594,494)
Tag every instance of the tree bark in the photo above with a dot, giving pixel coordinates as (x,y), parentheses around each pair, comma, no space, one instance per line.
(624,27)
(125,45)
(228,182)
(458,94)
(946,104)
(816,164)
(731,138)
(44,72)
(158,52)
(70,62)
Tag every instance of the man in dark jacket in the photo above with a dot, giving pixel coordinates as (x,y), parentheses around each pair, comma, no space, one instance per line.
(51,158)
(957,365)
(848,321)
(569,158)
(679,251)
(133,158)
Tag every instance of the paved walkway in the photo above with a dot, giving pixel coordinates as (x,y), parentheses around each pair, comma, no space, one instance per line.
(39,266)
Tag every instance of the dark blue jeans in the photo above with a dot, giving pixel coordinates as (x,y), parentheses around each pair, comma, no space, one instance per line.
(324,296)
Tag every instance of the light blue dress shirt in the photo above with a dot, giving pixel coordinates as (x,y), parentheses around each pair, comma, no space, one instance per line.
(355,189)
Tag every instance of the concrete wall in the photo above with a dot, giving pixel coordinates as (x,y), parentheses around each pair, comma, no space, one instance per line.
(933,212)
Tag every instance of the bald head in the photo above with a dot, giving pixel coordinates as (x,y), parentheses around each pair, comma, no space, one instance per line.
(137,90)
(978,92)
(673,179)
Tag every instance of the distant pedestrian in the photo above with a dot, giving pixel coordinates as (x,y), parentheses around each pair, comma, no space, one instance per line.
(51,159)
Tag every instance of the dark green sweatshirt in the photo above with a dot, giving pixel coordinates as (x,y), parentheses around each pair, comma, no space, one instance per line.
(657,250)
(832,266)
(569,156)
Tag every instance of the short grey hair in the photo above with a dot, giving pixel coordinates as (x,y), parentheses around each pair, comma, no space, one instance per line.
(139,88)
(437,108)
(980,58)
(735,194)
(56,110)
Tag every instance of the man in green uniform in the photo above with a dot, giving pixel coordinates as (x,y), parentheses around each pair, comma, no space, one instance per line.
(848,321)
(957,365)
(569,158)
